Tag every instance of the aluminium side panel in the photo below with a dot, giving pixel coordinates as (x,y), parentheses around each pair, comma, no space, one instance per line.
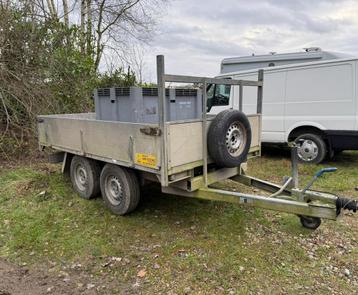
(114,142)
(185,143)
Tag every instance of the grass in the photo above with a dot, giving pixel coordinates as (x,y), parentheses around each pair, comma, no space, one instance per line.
(209,247)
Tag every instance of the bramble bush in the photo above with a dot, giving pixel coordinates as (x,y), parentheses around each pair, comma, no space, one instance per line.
(43,71)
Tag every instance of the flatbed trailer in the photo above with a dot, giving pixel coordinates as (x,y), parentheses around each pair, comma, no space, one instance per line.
(114,158)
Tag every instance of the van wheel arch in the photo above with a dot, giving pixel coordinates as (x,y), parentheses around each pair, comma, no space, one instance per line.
(316,134)
(305,129)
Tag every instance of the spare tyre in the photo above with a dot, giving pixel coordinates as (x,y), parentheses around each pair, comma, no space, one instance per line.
(229,138)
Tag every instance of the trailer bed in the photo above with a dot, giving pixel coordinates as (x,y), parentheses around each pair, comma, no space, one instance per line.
(132,144)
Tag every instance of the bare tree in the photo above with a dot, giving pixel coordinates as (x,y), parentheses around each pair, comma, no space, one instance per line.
(47,67)
(136,61)
(82,27)
(52,8)
(111,24)
(105,26)
(89,27)
(66,13)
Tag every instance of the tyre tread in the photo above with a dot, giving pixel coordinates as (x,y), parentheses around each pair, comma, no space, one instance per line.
(216,144)
(132,189)
(94,169)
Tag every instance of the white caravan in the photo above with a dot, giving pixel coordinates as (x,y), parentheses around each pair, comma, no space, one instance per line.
(313,103)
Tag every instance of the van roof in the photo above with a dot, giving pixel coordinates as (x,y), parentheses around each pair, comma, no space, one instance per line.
(289,66)
(309,53)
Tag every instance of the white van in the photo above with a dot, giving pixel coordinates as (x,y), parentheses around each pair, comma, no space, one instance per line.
(313,103)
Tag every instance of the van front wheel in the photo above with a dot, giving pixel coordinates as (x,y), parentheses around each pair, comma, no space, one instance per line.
(311,148)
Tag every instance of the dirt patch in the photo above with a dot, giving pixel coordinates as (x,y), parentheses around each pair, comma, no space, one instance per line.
(22,280)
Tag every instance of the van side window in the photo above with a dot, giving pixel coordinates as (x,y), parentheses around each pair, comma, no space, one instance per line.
(218,95)
(222,95)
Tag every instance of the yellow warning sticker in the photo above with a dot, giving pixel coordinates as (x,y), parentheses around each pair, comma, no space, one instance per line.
(146,160)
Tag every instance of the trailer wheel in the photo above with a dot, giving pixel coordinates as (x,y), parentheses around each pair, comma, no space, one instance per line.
(120,189)
(84,174)
(310,222)
(229,138)
(311,148)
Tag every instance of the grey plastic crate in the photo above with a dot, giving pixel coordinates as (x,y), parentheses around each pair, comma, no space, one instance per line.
(140,105)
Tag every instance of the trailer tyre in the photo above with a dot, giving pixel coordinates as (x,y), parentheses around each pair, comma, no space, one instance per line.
(311,148)
(84,174)
(120,189)
(229,138)
(310,222)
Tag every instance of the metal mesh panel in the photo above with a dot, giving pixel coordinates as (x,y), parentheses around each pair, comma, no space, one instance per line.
(153,91)
(104,92)
(185,92)
(122,91)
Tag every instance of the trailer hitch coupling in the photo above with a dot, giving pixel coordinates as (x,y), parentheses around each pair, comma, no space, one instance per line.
(346,204)
(341,203)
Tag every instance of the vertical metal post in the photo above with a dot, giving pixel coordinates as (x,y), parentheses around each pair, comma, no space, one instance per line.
(260,92)
(162,112)
(241,96)
(204,135)
(294,167)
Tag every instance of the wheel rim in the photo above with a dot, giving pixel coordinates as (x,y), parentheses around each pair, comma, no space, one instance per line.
(81,177)
(235,139)
(307,150)
(113,189)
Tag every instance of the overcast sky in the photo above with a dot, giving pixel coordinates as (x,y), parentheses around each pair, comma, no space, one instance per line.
(196,35)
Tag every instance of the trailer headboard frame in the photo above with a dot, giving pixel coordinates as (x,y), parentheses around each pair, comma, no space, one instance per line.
(163,78)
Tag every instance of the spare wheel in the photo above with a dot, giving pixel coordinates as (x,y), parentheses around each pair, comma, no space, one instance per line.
(229,138)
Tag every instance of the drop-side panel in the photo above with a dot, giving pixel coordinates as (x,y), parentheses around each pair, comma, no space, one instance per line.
(115,142)
(255,122)
(185,144)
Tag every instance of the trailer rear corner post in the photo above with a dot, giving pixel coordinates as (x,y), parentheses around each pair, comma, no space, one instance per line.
(162,111)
